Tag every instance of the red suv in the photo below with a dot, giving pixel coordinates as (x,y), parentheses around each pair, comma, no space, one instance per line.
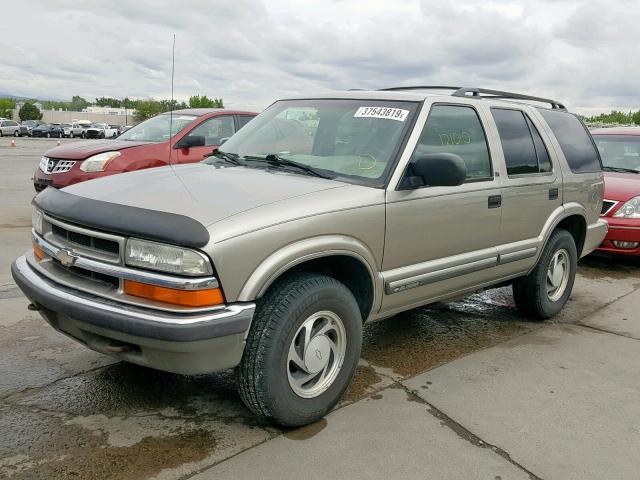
(620,152)
(183,136)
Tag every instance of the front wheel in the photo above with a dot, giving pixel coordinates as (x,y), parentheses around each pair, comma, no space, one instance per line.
(302,349)
(48,135)
(16,133)
(544,292)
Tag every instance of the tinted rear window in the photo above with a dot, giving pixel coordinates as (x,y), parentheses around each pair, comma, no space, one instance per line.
(575,141)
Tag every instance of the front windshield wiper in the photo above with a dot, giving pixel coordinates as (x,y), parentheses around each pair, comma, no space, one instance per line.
(276,160)
(620,169)
(229,157)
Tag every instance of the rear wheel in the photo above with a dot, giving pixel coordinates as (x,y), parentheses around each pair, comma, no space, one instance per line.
(302,349)
(544,292)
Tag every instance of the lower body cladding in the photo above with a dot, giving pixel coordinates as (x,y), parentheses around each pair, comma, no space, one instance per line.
(622,240)
(195,343)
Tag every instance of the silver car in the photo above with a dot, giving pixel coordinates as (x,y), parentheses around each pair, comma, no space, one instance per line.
(9,128)
(321,214)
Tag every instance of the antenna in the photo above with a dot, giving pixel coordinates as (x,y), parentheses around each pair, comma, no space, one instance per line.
(173,66)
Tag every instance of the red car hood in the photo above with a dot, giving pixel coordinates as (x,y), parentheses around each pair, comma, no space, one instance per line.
(82,150)
(621,186)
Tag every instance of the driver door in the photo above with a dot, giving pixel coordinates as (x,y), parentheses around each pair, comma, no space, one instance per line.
(440,240)
(214,130)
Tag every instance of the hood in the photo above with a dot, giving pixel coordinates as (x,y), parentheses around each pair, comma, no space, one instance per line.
(203,192)
(82,150)
(621,186)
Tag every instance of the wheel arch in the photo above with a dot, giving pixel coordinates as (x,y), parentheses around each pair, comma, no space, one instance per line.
(571,217)
(344,258)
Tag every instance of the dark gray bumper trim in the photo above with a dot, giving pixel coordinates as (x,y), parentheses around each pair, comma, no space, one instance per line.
(233,319)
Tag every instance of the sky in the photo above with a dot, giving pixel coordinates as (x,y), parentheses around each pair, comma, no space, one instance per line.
(252,52)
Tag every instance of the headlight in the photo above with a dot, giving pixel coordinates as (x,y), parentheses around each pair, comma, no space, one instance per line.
(99,162)
(166,258)
(630,209)
(44,161)
(36,220)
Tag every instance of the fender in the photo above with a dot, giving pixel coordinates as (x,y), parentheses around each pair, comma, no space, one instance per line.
(559,214)
(304,250)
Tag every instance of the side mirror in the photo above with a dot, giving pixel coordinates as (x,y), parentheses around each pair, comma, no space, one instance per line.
(191,141)
(437,170)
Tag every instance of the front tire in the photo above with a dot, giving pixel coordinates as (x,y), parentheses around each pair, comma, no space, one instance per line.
(48,135)
(543,293)
(302,349)
(16,133)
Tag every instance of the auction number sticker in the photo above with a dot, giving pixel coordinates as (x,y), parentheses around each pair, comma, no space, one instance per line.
(382,112)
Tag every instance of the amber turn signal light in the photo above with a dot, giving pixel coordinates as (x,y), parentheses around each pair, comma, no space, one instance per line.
(38,252)
(186,298)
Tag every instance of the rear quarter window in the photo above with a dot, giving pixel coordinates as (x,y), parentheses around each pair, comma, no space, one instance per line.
(575,141)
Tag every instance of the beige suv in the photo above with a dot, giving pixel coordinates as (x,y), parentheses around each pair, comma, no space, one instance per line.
(322,213)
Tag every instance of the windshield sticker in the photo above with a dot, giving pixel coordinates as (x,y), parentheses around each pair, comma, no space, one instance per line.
(382,112)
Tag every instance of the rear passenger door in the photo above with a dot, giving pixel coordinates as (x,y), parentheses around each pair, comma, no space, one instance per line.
(533,187)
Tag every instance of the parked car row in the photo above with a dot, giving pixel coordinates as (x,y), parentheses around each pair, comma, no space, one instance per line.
(37,128)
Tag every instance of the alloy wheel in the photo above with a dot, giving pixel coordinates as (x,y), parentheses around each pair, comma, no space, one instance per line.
(316,354)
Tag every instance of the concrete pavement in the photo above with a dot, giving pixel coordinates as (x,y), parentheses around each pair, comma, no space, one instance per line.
(560,402)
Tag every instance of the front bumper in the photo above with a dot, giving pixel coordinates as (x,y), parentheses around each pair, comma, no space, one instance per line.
(621,231)
(193,343)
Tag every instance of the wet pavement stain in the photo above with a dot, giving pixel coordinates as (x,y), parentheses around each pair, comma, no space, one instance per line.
(364,379)
(71,452)
(307,432)
(416,341)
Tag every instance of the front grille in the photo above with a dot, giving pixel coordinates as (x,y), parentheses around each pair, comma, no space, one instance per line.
(56,165)
(112,281)
(607,205)
(90,242)
(92,134)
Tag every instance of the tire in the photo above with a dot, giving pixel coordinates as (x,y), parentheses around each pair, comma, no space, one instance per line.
(541,295)
(101,135)
(83,135)
(48,135)
(1,135)
(60,135)
(16,133)
(265,372)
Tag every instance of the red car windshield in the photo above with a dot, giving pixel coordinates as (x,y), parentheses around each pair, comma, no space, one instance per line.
(158,129)
(619,152)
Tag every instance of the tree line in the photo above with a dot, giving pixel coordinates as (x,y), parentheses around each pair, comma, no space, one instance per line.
(144,108)
(616,116)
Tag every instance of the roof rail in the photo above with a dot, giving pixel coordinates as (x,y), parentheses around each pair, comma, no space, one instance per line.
(473,92)
(478,92)
(424,87)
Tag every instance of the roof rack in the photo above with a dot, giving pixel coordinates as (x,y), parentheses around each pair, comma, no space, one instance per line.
(482,93)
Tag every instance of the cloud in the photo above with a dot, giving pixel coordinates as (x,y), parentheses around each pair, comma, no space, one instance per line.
(251,52)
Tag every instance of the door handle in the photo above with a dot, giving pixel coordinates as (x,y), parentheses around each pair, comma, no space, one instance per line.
(553,194)
(495,201)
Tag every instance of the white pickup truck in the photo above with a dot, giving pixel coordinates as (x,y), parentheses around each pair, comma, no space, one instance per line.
(100,130)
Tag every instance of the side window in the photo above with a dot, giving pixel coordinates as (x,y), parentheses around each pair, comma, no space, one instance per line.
(523,148)
(456,129)
(575,141)
(215,129)
(544,161)
(243,120)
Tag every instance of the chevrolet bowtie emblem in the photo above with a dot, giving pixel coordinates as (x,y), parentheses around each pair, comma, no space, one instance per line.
(66,257)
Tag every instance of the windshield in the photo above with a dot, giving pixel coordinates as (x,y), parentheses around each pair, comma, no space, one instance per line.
(351,140)
(156,129)
(619,151)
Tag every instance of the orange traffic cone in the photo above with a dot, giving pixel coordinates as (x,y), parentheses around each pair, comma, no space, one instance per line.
(13,142)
